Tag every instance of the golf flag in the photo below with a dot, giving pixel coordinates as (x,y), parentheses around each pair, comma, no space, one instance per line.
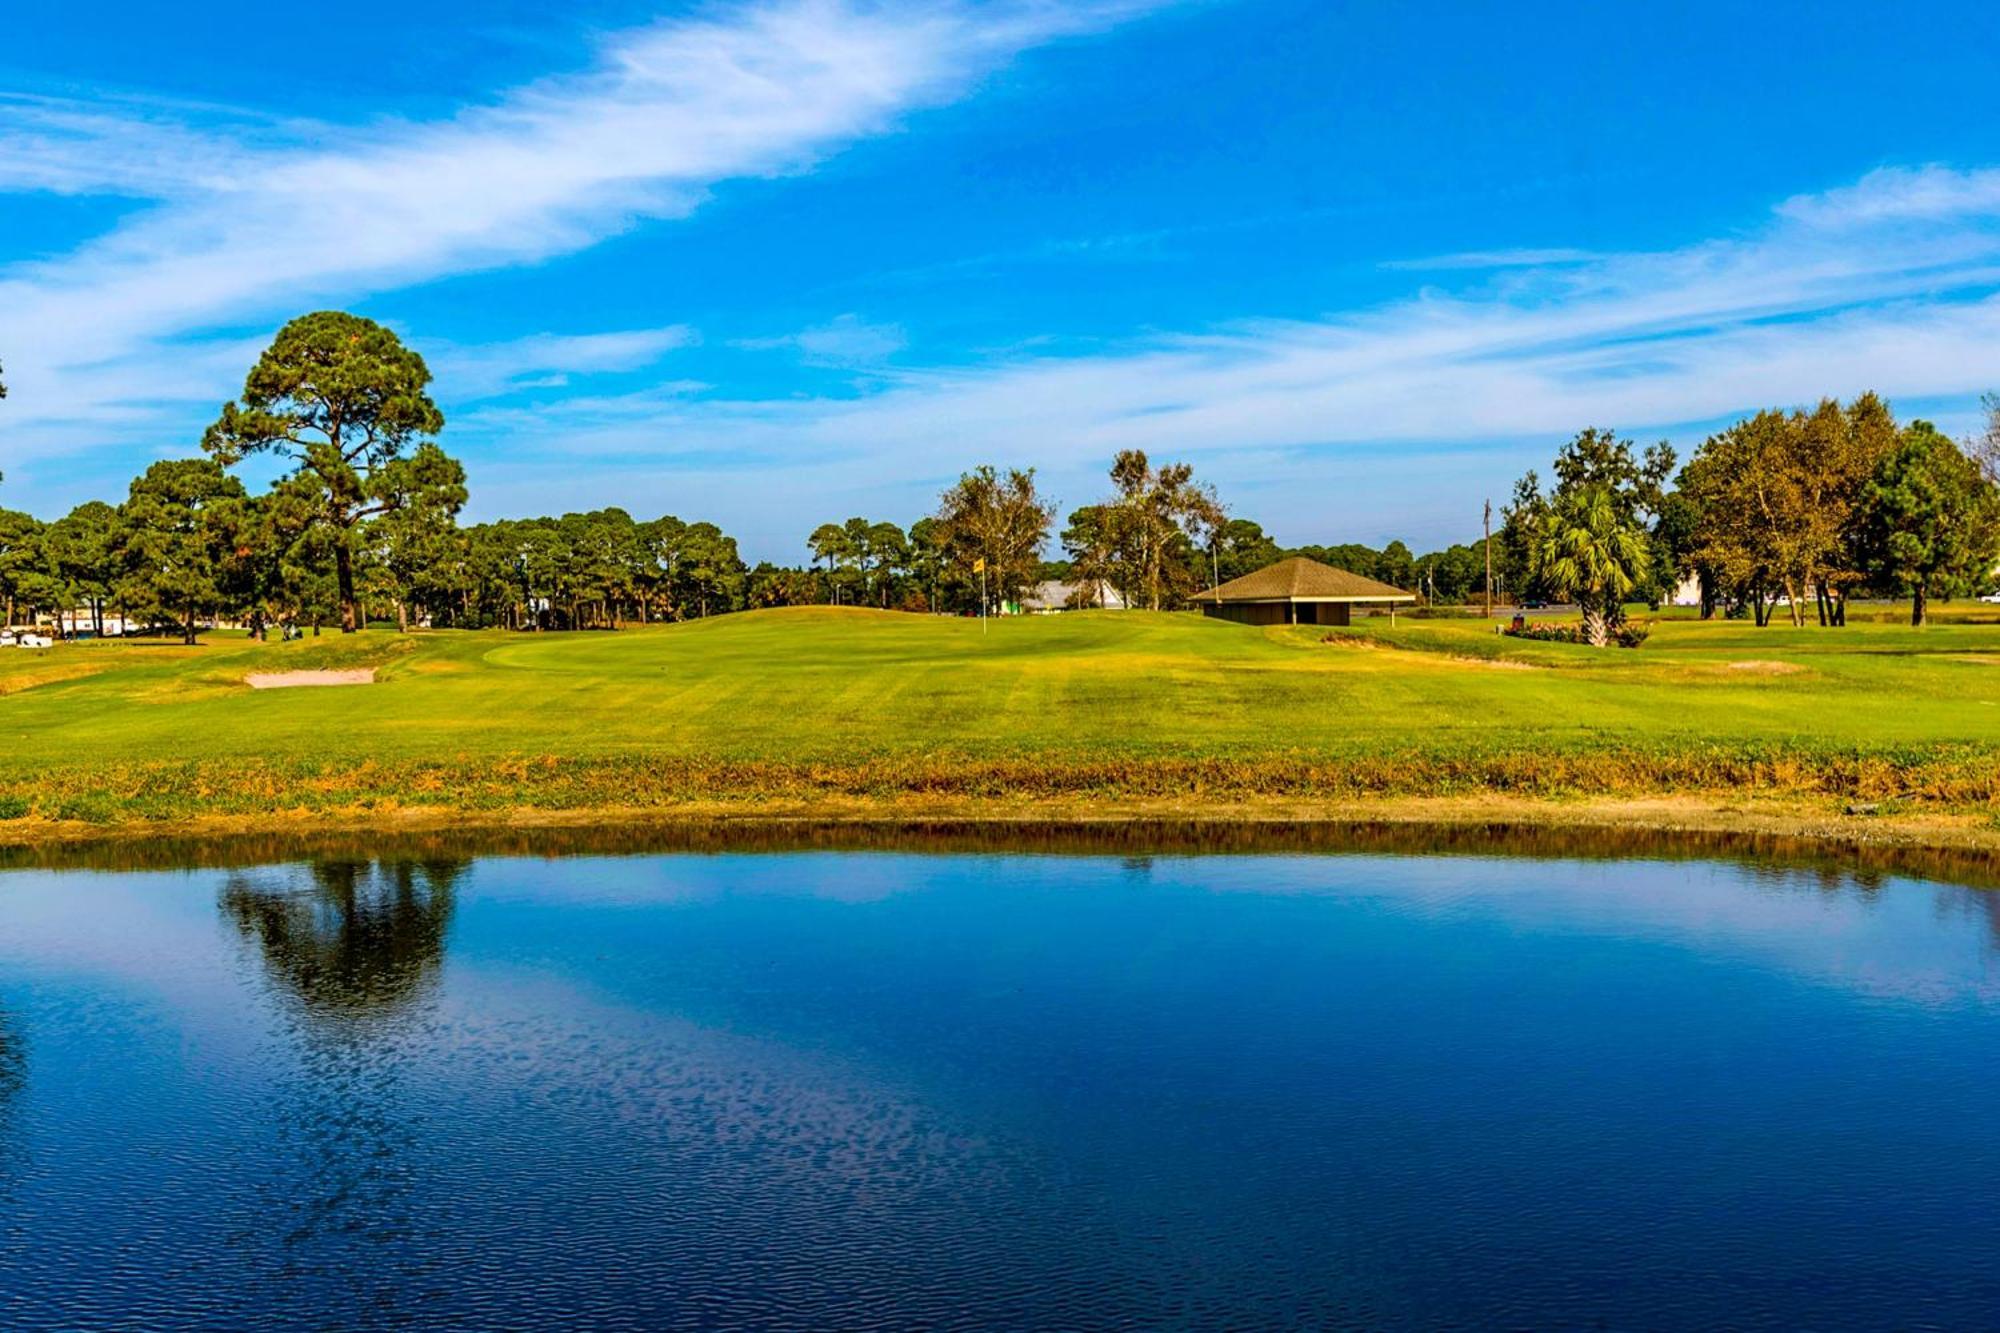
(979,566)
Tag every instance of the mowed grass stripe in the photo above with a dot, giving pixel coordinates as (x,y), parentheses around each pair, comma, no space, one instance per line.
(939,703)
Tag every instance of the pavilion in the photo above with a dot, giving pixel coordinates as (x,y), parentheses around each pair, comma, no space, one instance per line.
(1298,591)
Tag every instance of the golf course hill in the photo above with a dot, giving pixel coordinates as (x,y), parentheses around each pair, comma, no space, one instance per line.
(1871,730)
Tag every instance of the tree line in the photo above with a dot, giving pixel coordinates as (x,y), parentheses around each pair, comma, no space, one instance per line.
(1801,510)
(363,519)
(985,541)
(1157,538)
(190,545)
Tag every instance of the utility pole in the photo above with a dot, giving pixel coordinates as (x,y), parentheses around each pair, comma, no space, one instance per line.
(1489,560)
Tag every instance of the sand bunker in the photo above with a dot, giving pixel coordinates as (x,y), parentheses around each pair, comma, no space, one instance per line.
(285,680)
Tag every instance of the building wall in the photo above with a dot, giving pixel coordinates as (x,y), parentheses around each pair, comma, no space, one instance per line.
(1249,613)
(1283,613)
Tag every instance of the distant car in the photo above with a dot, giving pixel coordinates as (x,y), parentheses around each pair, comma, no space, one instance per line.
(1991,597)
(34,641)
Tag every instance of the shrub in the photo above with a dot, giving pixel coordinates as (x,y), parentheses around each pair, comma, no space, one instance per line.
(1547,633)
(14,807)
(1628,635)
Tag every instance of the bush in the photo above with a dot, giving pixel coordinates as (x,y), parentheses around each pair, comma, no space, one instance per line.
(15,807)
(1547,633)
(1628,635)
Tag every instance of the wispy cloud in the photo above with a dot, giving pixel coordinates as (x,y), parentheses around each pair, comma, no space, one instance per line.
(137,149)
(1888,284)
(547,360)
(1493,259)
(1894,195)
(248,223)
(846,340)
(1817,303)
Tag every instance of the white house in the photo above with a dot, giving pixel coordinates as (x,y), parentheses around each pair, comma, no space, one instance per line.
(1053,596)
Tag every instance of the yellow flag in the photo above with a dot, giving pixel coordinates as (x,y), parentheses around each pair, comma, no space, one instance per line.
(979,566)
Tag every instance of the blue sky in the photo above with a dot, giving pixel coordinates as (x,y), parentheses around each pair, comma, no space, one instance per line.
(775,263)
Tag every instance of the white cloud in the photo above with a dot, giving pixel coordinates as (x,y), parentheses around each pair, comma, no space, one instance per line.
(846,340)
(548,360)
(247,225)
(1898,194)
(1642,341)
(1493,259)
(135,149)
(1888,284)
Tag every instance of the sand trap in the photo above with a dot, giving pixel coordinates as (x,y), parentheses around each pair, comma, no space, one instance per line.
(1767,668)
(285,680)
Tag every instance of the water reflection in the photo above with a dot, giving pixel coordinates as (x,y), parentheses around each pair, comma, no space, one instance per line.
(13,1077)
(1138,1086)
(357,949)
(1856,864)
(13,1063)
(356,939)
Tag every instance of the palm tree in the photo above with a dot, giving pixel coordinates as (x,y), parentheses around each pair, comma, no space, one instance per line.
(1587,550)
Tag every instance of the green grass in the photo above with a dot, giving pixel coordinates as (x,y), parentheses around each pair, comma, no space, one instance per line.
(806,704)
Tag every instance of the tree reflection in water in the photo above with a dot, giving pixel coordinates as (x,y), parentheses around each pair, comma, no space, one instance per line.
(13,1063)
(13,1077)
(354,951)
(361,940)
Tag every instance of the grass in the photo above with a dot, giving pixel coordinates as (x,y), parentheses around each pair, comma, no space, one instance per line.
(838,711)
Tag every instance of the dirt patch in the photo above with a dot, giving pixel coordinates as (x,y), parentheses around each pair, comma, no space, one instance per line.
(1763,668)
(285,680)
(1498,663)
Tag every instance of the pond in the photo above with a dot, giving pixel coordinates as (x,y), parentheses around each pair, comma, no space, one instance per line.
(834,1083)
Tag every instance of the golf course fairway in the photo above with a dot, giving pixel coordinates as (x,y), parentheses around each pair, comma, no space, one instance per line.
(1870,730)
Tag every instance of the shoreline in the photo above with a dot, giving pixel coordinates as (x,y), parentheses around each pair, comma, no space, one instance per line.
(1828,826)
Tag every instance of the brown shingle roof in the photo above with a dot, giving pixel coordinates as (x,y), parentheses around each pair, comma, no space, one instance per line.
(1299,578)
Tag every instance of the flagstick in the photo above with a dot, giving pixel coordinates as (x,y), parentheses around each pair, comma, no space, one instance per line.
(982,597)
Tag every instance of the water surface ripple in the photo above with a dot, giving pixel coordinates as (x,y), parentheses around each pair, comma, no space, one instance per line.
(892,1089)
